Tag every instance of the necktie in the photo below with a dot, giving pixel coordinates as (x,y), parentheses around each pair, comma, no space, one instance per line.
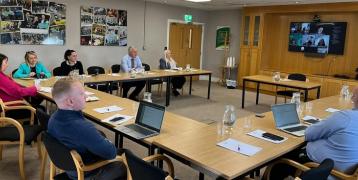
(132,62)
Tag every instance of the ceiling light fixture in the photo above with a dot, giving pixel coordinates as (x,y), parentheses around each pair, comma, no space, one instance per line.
(198,0)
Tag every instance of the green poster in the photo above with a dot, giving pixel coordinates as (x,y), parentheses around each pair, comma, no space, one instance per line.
(222,37)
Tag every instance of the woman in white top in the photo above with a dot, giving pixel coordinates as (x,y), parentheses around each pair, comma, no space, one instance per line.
(167,62)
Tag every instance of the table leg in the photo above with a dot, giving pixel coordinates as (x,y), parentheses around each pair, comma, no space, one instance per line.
(306,95)
(257,92)
(209,86)
(167,97)
(318,92)
(120,141)
(190,84)
(201,176)
(149,86)
(243,94)
(116,139)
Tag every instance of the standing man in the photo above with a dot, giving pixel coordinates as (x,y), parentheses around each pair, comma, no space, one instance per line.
(69,126)
(132,62)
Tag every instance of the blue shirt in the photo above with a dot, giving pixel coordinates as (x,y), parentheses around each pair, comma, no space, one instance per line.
(75,132)
(126,64)
(335,138)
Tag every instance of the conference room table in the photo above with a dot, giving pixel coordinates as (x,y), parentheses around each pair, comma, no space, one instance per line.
(263,79)
(172,124)
(198,148)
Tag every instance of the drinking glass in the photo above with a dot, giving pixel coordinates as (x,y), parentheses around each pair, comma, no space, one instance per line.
(247,123)
(147,97)
(229,119)
(276,76)
(187,67)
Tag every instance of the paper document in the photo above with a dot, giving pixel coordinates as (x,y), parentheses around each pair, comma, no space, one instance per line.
(45,89)
(332,110)
(89,93)
(239,147)
(92,98)
(117,119)
(258,134)
(114,74)
(108,109)
(170,70)
(285,79)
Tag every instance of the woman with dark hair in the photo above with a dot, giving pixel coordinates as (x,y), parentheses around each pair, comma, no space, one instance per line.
(71,63)
(9,89)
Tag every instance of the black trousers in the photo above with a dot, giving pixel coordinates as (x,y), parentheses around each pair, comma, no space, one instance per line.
(178,82)
(112,171)
(139,85)
(281,171)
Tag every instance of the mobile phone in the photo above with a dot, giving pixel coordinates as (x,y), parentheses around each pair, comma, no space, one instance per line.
(272,136)
(312,121)
(116,119)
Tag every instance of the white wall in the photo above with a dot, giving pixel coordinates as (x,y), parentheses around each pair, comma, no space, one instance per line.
(157,16)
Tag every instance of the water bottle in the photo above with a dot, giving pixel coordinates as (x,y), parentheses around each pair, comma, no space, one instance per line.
(296,98)
(345,92)
(276,76)
(229,119)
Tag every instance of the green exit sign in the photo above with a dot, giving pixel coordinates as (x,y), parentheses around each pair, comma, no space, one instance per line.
(188,18)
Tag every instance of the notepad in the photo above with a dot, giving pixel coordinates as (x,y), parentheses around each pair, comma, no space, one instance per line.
(258,134)
(112,120)
(240,147)
(108,109)
(45,89)
(332,110)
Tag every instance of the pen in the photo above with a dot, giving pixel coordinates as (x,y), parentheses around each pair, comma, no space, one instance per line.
(238,147)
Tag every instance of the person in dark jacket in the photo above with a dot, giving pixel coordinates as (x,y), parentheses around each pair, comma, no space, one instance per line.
(71,63)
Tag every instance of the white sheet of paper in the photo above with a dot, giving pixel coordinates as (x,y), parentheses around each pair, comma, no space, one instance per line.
(309,117)
(45,89)
(108,109)
(239,147)
(170,70)
(285,79)
(89,93)
(114,74)
(258,134)
(92,98)
(332,110)
(125,119)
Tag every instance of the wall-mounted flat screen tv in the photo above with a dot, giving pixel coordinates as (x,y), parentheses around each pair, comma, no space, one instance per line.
(322,38)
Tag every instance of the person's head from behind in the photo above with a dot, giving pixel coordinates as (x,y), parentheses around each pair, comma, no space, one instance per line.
(3,62)
(355,97)
(31,58)
(70,55)
(69,94)
(132,52)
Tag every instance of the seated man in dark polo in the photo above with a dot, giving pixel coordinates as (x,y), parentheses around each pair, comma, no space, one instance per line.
(69,126)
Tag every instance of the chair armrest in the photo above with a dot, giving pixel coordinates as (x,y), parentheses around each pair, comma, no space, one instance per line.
(89,167)
(23,102)
(163,158)
(334,172)
(30,108)
(17,125)
(298,166)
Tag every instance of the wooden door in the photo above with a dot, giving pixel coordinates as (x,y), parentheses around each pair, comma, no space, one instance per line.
(185,44)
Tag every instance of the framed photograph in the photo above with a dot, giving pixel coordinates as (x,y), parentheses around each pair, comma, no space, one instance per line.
(39,7)
(26,4)
(86,40)
(13,13)
(122,18)
(8,3)
(9,26)
(112,36)
(222,37)
(86,30)
(97,40)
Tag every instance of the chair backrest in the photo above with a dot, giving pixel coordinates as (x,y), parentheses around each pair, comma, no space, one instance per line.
(140,169)
(297,76)
(319,173)
(116,68)
(57,72)
(95,70)
(146,67)
(13,72)
(59,154)
(43,118)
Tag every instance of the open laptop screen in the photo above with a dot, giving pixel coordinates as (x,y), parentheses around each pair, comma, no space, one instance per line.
(285,114)
(150,115)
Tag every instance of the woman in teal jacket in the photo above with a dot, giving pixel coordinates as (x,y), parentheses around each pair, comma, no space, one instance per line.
(31,68)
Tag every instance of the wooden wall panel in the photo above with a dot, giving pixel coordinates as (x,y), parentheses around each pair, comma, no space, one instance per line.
(275,54)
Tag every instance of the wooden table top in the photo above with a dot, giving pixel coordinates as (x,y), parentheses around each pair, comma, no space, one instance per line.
(286,82)
(172,124)
(199,145)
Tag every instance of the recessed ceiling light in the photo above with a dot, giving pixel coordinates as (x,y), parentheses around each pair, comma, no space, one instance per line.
(198,0)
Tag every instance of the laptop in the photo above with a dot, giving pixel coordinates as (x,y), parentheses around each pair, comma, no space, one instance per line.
(287,120)
(148,121)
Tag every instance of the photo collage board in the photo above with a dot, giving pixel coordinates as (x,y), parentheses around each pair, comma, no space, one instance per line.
(103,26)
(32,22)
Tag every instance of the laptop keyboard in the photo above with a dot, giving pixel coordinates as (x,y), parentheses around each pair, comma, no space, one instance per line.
(139,129)
(294,129)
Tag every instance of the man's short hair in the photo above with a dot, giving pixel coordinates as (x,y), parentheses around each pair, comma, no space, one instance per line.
(62,87)
(130,48)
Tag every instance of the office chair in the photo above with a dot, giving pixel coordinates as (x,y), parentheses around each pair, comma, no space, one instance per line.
(320,172)
(95,70)
(13,72)
(139,169)
(116,68)
(336,173)
(67,160)
(289,93)
(57,71)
